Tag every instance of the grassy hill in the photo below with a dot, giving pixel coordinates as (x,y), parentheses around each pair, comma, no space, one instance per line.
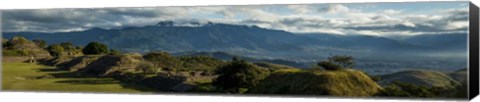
(420,77)
(300,82)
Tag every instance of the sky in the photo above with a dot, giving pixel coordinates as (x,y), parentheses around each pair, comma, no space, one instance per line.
(378,19)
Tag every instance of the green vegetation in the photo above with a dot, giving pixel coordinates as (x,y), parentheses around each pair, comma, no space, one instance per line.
(55,50)
(238,74)
(420,77)
(167,62)
(95,48)
(67,45)
(114,52)
(163,60)
(40,43)
(343,61)
(301,82)
(108,70)
(34,77)
(329,65)
(200,63)
(337,62)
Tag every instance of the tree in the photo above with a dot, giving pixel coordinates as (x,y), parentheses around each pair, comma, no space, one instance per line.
(55,50)
(343,61)
(67,45)
(5,43)
(95,48)
(327,65)
(238,74)
(40,43)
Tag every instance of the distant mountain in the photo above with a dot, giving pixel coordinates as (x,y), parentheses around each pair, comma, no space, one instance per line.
(251,41)
(227,57)
(443,42)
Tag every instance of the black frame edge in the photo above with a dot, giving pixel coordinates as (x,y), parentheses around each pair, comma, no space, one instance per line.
(473,70)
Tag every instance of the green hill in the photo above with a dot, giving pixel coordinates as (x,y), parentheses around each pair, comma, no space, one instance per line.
(300,82)
(420,77)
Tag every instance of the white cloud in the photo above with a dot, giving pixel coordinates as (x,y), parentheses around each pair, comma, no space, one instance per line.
(391,12)
(300,9)
(334,8)
(331,18)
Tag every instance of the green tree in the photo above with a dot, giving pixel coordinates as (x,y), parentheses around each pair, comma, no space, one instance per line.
(238,74)
(40,43)
(67,45)
(95,48)
(327,65)
(55,50)
(5,43)
(343,61)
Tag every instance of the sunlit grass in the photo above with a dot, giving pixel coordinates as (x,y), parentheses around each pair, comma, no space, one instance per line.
(27,77)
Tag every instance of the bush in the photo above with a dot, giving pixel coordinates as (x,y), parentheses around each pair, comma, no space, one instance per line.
(67,45)
(329,65)
(55,50)
(238,74)
(95,48)
(147,67)
(343,61)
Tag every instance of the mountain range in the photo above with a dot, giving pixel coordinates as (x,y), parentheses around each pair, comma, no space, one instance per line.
(253,41)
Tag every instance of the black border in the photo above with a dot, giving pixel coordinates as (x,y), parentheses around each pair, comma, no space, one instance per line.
(473,73)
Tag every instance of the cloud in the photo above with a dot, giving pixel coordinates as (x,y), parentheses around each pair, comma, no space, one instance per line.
(391,12)
(329,18)
(300,9)
(334,8)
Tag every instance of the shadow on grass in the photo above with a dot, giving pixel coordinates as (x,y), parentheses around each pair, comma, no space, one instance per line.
(92,82)
(79,78)
(48,70)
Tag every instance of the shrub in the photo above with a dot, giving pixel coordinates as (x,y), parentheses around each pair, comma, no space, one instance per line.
(343,61)
(67,45)
(329,65)
(95,48)
(238,74)
(55,50)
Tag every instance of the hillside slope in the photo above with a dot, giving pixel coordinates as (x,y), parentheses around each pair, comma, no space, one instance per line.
(420,77)
(336,83)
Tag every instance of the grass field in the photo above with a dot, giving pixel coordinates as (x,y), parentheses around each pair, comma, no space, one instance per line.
(34,77)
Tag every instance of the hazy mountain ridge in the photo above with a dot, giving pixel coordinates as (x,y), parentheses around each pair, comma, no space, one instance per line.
(251,41)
